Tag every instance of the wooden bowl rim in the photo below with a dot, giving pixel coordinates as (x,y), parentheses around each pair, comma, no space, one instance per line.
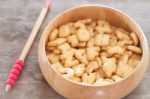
(43,37)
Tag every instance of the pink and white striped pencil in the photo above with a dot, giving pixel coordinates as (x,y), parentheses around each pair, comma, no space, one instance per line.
(17,67)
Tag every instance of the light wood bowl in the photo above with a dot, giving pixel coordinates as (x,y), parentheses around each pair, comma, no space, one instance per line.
(74,90)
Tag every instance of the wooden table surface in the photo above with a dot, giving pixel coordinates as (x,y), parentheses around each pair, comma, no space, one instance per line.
(17,18)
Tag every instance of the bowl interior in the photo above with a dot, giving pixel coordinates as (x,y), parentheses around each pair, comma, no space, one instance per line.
(113,16)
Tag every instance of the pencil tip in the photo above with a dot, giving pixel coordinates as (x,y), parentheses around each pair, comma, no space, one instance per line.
(7,88)
(47,4)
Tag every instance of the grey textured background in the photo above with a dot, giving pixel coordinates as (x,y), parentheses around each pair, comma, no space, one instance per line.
(17,18)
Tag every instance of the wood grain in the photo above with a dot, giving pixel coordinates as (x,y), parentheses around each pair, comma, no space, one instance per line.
(17,18)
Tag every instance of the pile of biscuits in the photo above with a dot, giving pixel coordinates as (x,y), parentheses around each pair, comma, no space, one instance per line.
(93,52)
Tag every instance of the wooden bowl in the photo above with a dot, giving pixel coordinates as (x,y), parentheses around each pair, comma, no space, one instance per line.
(74,90)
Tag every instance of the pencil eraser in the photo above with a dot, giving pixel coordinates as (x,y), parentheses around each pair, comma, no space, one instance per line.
(47,4)
(15,71)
